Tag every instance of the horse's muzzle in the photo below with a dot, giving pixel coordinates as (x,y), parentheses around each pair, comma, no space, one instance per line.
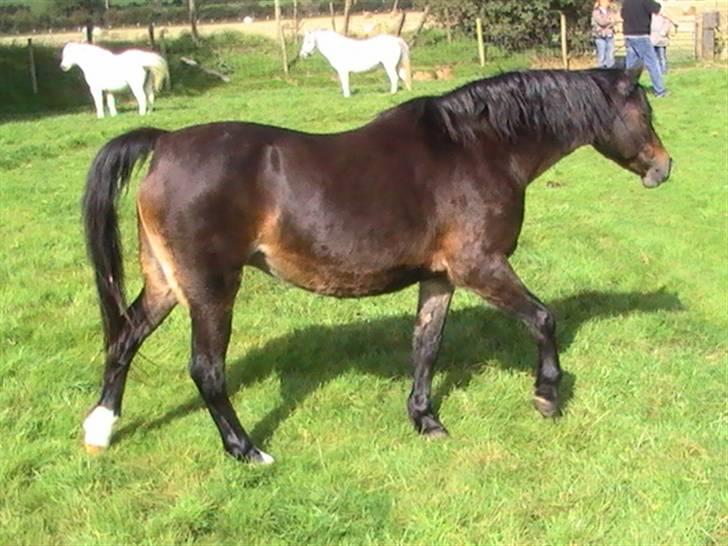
(658,173)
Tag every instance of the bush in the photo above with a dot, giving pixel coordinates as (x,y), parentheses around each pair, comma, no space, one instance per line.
(515,25)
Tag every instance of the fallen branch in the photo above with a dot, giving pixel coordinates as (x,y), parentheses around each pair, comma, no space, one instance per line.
(211,72)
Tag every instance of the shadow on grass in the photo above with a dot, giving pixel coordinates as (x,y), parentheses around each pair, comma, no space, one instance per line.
(307,359)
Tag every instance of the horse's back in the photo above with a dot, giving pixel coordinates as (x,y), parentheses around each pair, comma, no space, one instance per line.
(138,57)
(362,55)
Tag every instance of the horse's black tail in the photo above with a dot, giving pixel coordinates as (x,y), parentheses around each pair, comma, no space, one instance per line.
(108,175)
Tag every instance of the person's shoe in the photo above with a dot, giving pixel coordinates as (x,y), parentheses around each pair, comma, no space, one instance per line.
(662,95)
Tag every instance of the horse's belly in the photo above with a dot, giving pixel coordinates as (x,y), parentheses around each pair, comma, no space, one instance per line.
(109,82)
(363,66)
(329,279)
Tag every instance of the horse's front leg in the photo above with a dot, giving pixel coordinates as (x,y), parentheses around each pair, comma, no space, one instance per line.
(98,96)
(344,79)
(111,103)
(494,279)
(434,301)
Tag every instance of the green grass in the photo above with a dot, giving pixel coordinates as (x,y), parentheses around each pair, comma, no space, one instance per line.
(636,278)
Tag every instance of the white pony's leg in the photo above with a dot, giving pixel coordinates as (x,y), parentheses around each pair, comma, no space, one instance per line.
(98,96)
(344,78)
(391,70)
(137,88)
(111,103)
(149,91)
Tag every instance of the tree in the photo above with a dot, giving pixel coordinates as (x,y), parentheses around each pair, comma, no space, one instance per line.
(66,7)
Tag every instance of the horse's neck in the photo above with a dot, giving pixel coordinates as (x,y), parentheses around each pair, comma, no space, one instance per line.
(527,160)
(331,42)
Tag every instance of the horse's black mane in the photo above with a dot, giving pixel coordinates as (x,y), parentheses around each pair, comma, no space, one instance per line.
(558,105)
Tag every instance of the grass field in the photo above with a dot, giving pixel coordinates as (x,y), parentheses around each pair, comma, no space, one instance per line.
(638,281)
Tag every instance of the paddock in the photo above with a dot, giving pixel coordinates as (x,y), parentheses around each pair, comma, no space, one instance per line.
(637,280)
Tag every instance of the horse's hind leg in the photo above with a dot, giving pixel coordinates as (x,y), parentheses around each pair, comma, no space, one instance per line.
(111,103)
(149,91)
(434,301)
(391,70)
(151,306)
(495,280)
(344,79)
(137,89)
(211,311)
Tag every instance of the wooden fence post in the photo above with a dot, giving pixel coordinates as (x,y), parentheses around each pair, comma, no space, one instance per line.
(152,42)
(481,45)
(420,25)
(296,23)
(710,24)
(564,47)
(401,23)
(333,16)
(163,52)
(281,37)
(31,62)
(347,16)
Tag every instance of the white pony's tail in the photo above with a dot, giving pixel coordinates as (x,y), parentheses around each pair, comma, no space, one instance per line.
(159,69)
(153,62)
(403,67)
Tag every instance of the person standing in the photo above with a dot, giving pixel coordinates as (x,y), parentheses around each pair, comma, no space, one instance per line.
(660,36)
(637,20)
(603,22)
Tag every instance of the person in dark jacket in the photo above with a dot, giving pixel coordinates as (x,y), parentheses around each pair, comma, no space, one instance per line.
(636,22)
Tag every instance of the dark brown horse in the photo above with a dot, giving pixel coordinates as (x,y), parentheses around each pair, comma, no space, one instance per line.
(430,192)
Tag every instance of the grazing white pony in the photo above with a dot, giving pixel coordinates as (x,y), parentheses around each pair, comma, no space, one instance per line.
(143,72)
(348,55)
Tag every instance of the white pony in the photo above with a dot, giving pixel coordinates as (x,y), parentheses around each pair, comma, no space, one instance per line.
(143,72)
(348,55)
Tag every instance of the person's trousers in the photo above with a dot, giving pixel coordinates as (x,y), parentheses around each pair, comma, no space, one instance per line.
(661,52)
(605,52)
(640,51)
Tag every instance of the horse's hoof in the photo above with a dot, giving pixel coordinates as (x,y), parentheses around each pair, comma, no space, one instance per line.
(547,408)
(94,450)
(258,456)
(435,433)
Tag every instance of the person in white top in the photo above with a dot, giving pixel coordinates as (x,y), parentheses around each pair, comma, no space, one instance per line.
(660,30)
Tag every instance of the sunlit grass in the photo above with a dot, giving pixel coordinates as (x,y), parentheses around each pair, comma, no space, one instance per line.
(637,279)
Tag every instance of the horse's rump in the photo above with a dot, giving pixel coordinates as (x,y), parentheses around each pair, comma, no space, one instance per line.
(153,62)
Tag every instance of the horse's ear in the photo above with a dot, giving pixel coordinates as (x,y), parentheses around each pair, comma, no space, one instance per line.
(630,80)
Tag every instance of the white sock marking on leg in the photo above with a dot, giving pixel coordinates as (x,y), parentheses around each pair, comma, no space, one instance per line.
(97,427)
